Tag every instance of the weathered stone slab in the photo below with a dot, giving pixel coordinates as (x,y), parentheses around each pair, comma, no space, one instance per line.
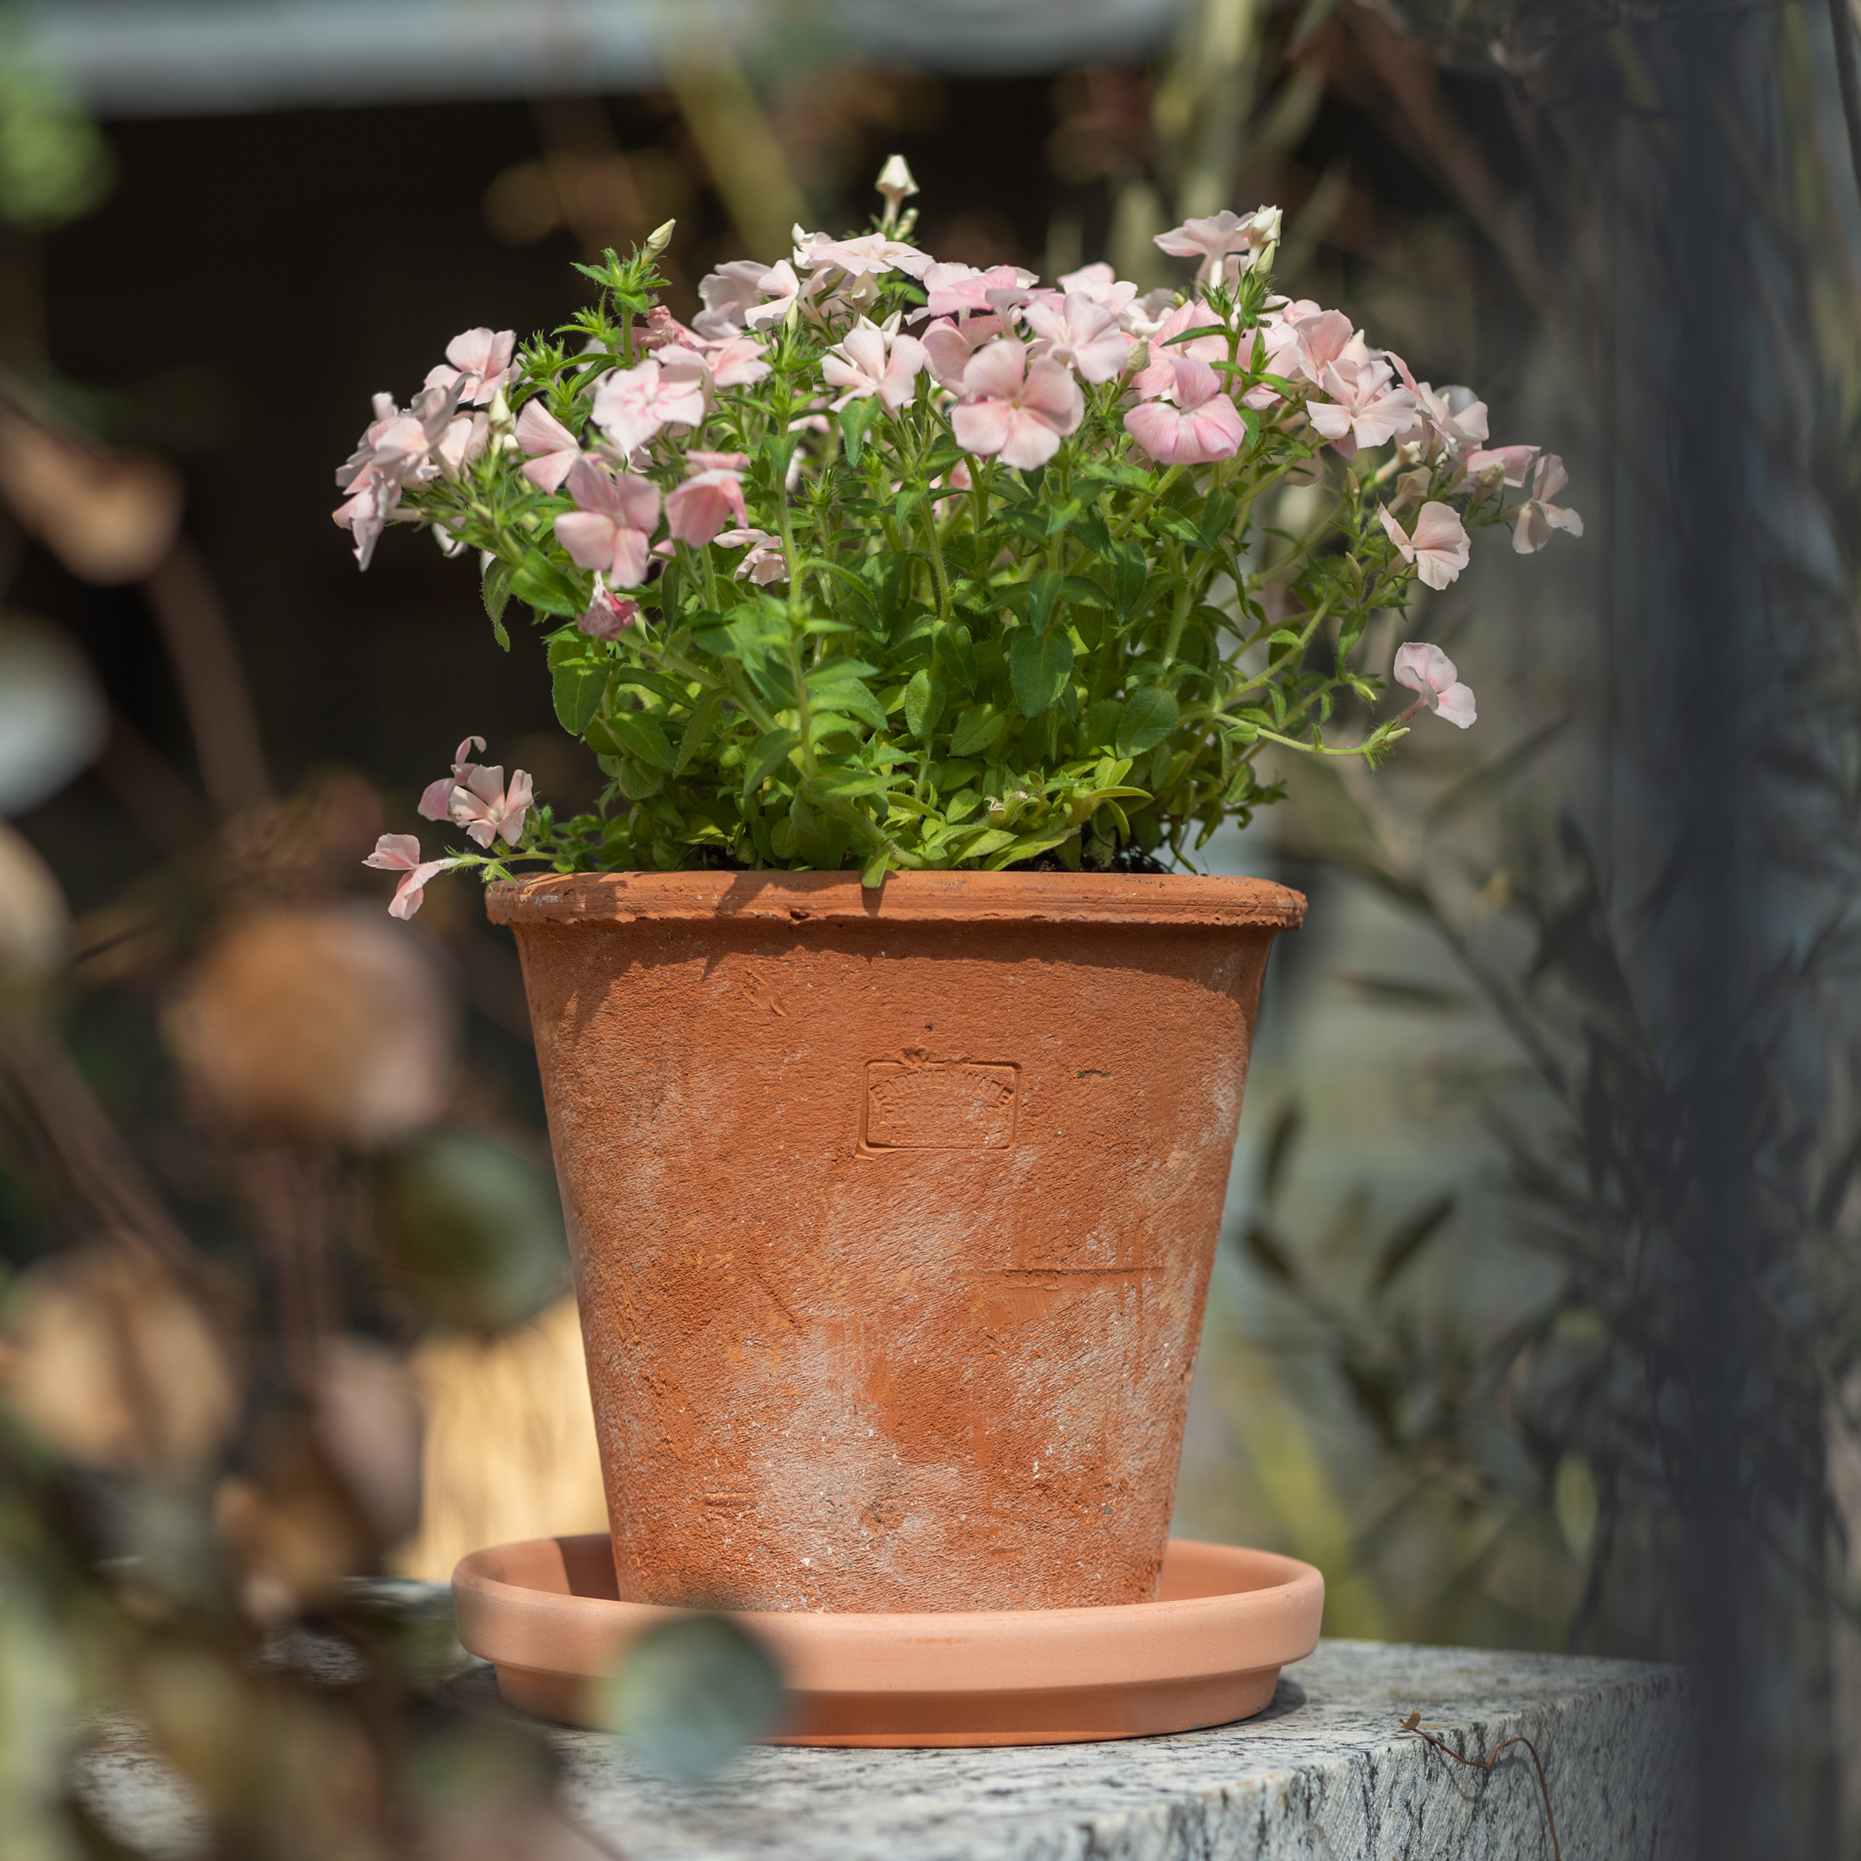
(1324,1775)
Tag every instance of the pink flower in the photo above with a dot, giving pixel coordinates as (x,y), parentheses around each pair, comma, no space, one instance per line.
(1440,547)
(745,294)
(399,448)
(1100,283)
(695,512)
(735,364)
(868,362)
(1080,333)
(367,511)
(1512,463)
(949,345)
(633,404)
(608,615)
(480,365)
(1202,425)
(475,798)
(1317,341)
(763,561)
(1455,415)
(1364,409)
(1538,516)
(1428,670)
(870,256)
(401,853)
(612,523)
(551,447)
(1015,411)
(1222,236)
(436,799)
(463,440)
(957,289)
(1143,317)
(1157,377)
(485,808)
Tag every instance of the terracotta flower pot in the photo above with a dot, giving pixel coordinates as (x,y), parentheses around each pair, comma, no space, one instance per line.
(892,1215)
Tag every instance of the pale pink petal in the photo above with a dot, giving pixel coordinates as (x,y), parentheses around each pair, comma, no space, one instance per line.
(588,536)
(1513,462)
(1456,706)
(1442,546)
(995,371)
(395,852)
(1400,537)
(1423,667)
(697,510)
(434,799)
(638,502)
(1053,394)
(1031,441)
(982,426)
(410,894)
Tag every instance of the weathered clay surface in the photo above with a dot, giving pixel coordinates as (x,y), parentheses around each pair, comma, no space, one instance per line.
(892,1218)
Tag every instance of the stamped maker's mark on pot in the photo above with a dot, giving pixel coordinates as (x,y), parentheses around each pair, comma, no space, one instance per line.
(924,1104)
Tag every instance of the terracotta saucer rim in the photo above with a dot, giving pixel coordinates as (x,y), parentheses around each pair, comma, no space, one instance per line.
(1180,1639)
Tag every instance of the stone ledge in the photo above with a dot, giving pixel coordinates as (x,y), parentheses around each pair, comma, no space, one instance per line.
(1322,1775)
(1323,1772)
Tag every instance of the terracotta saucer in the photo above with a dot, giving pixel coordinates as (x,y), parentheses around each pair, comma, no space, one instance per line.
(547,1615)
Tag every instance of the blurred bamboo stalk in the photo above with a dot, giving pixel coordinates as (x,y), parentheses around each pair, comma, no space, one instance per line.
(68,1146)
(1203,100)
(205,657)
(1412,82)
(730,128)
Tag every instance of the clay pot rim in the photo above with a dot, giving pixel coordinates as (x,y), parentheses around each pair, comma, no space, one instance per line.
(1264,1610)
(1144,900)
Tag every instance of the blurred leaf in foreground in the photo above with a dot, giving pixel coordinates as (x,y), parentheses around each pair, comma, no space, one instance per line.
(691,1693)
(471,1231)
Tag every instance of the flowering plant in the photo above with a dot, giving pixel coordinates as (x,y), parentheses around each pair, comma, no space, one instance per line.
(889,563)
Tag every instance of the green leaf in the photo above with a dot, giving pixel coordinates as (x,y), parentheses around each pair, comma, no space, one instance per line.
(979,727)
(855,418)
(1130,578)
(958,653)
(697,727)
(1039,664)
(990,840)
(691,1693)
(578,688)
(1217,515)
(495,589)
(546,588)
(837,686)
(1101,725)
(925,697)
(1043,590)
(767,757)
(1148,717)
(1409,1237)
(641,735)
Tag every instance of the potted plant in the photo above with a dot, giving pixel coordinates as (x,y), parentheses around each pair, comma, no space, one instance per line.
(925,619)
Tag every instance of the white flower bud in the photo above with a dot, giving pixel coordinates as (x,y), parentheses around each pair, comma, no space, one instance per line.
(658,239)
(895,181)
